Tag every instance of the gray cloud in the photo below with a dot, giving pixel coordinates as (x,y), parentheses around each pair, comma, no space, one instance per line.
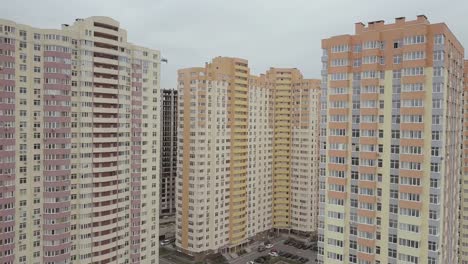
(268,33)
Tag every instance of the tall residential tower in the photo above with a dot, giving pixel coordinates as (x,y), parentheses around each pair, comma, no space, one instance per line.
(390,144)
(248,154)
(464,180)
(79,140)
(168,152)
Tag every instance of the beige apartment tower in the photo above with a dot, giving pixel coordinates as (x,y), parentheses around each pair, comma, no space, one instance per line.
(464,179)
(390,151)
(248,154)
(79,145)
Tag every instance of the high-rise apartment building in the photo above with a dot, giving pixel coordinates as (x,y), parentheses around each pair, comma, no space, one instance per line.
(79,139)
(248,154)
(464,179)
(390,144)
(168,152)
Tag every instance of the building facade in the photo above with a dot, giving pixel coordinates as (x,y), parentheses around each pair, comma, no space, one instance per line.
(168,152)
(390,144)
(464,180)
(248,154)
(79,139)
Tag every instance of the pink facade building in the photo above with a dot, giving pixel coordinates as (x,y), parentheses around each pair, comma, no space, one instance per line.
(79,145)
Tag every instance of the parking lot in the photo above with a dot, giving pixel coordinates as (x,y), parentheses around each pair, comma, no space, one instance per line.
(286,253)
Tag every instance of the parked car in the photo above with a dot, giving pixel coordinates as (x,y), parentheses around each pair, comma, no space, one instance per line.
(259,260)
(250,262)
(273,254)
(268,245)
(165,242)
(261,248)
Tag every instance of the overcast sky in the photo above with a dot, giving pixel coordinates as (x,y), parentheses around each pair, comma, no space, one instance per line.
(269,33)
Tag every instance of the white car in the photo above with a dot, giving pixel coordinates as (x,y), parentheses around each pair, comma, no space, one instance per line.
(250,262)
(273,254)
(165,242)
(268,246)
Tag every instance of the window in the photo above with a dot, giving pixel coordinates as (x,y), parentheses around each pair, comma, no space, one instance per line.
(339,62)
(397,59)
(434,199)
(392,223)
(412,103)
(413,87)
(340,48)
(339,76)
(411,40)
(357,48)
(435,151)
(432,245)
(373,44)
(434,183)
(357,63)
(439,39)
(435,167)
(438,71)
(433,230)
(396,74)
(355,133)
(439,55)
(411,118)
(414,55)
(409,212)
(433,214)
(415,71)
(410,181)
(410,165)
(409,243)
(437,87)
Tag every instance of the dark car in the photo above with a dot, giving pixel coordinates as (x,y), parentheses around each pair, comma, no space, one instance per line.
(295,257)
(259,260)
(261,248)
(288,255)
